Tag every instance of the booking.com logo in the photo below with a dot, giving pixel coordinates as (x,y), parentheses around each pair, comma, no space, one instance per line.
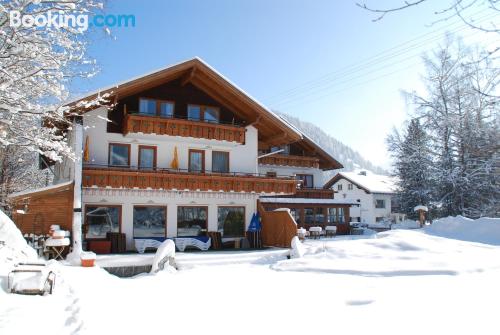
(60,19)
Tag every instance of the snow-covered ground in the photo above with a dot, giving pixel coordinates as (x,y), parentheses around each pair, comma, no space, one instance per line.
(399,281)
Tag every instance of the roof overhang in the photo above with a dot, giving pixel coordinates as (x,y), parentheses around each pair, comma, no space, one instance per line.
(272,130)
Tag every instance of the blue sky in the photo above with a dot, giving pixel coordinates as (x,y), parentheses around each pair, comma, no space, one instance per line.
(328,53)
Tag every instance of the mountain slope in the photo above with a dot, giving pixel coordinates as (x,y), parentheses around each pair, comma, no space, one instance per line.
(352,160)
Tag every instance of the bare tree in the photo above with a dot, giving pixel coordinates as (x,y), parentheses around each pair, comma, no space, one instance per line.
(444,11)
(37,64)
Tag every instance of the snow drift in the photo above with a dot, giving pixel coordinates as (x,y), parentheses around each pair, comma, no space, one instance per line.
(14,248)
(482,230)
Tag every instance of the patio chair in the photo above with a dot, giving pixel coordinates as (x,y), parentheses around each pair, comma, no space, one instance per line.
(31,278)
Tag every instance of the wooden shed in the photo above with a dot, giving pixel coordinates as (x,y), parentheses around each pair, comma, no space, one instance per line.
(35,211)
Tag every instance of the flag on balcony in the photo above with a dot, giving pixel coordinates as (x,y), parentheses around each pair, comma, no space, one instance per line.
(175,162)
(86,155)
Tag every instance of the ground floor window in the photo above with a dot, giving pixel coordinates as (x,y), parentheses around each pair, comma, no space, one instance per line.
(102,219)
(191,220)
(295,212)
(336,215)
(150,221)
(231,221)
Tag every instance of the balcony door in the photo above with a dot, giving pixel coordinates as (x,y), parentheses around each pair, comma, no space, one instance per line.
(196,160)
(147,157)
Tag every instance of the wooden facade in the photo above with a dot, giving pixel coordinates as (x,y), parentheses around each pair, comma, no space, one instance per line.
(314,193)
(290,160)
(44,208)
(173,180)
(135,123)
(319,217)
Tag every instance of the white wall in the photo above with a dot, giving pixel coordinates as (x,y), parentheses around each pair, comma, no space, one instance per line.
(127,198)
(367,211)
(318,175)
(242,157)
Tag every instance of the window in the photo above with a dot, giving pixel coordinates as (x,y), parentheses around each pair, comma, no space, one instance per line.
(119,154)
(196,160)
(308,215)
(191,221)
(332,215)
(319,216)
(379,203)
(220,161)
(350,187)
(339,187)
(102,219)
(166,109)
(271,174)
(285,148)
(147,107)
(231,221)
(341,217)
(211,115)
(307,180)
(150,221)
(147,157)
(153,107)
(203,113)
(194,113)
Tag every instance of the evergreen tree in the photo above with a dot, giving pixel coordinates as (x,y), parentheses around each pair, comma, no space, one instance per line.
(412,164)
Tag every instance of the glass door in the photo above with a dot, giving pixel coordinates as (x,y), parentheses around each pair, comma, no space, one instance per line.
(196,160)
(147,157)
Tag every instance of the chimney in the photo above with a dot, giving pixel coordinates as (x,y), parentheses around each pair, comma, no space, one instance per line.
(362,173)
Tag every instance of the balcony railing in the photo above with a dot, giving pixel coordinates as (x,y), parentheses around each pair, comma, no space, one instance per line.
(166,179)
(135,123)
(290,160)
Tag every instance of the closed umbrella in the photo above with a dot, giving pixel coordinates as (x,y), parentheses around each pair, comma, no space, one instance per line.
(86,155)
(175,162)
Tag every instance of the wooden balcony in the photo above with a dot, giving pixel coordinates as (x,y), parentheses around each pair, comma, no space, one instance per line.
(311,193)
(289,160)
(134,123)
(181,180)
(314,193)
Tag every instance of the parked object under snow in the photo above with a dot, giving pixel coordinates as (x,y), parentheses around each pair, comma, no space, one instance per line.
(164,256)
(482,230)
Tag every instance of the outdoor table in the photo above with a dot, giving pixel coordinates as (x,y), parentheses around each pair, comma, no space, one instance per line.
(57,246)
(315,231)
(330,230)
(301,233)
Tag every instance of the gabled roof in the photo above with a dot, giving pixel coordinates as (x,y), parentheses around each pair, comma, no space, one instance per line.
(273,129)
(369,182)
(198,73)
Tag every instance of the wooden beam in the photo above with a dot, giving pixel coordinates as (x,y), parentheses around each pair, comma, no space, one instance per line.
(188,77)
(280,139)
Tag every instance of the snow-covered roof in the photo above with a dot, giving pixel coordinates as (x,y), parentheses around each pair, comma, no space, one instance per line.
(367,180)
(308,201)
(41,189)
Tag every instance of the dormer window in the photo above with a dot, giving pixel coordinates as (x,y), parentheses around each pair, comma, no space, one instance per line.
(152,107)
(203,113)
